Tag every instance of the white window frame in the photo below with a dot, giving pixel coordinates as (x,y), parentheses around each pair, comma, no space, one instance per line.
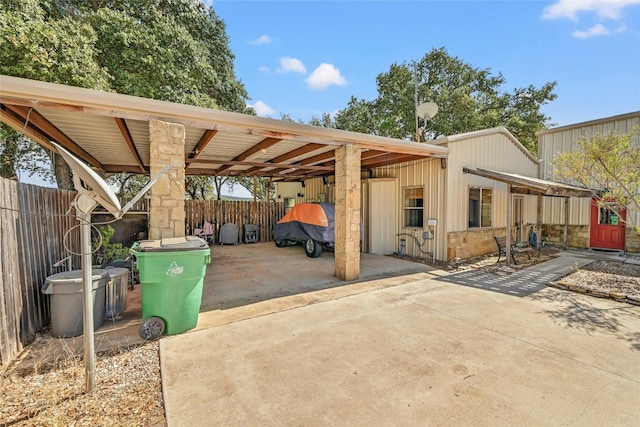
(405,208)
(480,207)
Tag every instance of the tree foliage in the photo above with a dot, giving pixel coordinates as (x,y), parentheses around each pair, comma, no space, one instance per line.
(607,162)
(171,50)
(468,98)
(17,152)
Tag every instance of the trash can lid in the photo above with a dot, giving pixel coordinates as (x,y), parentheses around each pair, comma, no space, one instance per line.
(75,276)
(187,243)
(116,271)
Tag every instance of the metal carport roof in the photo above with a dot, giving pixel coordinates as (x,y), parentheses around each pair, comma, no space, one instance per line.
(521,184)
(110,132)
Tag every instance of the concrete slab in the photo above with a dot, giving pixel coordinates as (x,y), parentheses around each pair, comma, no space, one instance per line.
(421,352)
(242,281)
(245,281)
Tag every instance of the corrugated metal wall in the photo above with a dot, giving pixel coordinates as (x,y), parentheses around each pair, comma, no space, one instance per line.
(445,191)
(554,142)
(497,152)
(429,174)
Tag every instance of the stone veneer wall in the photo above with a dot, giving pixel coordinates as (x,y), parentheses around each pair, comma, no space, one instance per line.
(577,237)
(167,214)
(472,243)
(632,240)
(347,201)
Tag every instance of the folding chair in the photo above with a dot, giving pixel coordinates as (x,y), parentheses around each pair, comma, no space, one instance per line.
(207,232)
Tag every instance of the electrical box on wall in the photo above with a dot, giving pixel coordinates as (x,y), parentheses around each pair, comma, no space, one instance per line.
(432,222)
(287,189)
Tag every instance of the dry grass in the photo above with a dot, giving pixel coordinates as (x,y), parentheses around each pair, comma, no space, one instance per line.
(128,392)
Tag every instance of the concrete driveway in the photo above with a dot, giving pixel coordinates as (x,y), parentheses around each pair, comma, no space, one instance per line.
(406,350)
(255,279)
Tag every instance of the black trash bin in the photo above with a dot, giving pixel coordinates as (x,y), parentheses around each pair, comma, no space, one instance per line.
(250,233)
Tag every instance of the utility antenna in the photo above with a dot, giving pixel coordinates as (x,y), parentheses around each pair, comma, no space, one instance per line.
(426,111)
(415,97)
(93,191)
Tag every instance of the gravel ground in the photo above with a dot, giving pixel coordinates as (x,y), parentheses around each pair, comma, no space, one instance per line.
(607,277)
(128,392)
(128,383)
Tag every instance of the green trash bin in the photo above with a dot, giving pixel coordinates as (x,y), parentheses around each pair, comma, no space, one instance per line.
(171,276)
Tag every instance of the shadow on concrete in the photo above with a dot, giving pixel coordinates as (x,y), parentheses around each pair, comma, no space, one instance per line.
(523,282)
(590,314)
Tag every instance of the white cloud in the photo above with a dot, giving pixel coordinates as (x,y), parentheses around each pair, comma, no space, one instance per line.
(605,9)
(262,109)
(263,39)
(324,76)
(291,65)
(596,30)
(263,69)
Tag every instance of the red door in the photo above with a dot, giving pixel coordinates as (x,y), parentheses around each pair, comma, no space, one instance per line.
(607,226)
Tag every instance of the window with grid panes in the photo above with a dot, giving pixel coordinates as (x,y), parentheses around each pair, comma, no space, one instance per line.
(413,206)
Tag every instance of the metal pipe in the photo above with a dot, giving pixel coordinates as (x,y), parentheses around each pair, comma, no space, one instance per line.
(87,307)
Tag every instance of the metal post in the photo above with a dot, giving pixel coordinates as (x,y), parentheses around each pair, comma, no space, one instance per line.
(507,249)
(87,308)
(539,223)
(565,231)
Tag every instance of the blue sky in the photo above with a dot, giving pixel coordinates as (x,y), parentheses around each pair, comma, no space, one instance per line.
(305,58)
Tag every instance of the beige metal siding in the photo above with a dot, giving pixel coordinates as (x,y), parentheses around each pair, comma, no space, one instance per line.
(553,142)
(381,216)
(497,152)
(313,188)
(429,174)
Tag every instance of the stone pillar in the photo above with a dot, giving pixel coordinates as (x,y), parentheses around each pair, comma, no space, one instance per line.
(167,215)
(347,202)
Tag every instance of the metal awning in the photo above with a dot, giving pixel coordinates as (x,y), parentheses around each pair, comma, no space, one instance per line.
(110,132)
(520,184)
(527,185)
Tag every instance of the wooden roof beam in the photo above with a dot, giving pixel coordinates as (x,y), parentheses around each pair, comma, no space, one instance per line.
(124,130)
(17,123)
(290,155)
(205,139)
(262,145)
(388,159)
(44,126)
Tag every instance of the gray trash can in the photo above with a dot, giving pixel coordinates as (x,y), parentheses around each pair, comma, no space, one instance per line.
(116,291)
(67,301)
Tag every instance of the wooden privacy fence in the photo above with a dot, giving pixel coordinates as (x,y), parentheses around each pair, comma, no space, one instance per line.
(33,223)
(262,214)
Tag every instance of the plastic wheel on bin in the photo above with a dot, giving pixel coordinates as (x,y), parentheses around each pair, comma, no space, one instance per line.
(151,328)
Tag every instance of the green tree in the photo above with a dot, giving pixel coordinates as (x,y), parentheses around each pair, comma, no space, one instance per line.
(36,47)
(19,152)
(172,50)
(607,162)
(468,99)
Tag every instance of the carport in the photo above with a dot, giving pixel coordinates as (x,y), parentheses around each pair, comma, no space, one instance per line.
(116,133)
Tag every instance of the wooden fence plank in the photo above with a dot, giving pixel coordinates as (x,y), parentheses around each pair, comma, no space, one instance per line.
(33,224)
(7,215)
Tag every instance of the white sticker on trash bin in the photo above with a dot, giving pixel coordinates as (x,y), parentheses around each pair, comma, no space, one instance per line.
(175,269)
